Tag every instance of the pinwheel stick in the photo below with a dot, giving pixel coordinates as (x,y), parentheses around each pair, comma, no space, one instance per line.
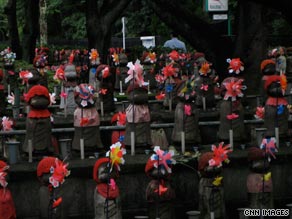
(101,108)
(29,151)
(149,92)
(204,103)
(183,142)
(170,103)
(277,136)
(231,129)
(121,88)
(82,139)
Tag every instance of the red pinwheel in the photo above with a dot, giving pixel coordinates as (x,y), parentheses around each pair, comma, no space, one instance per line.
(25,75)
(174,55)
(219,155)
(168,71)
(160,96)
(58,173)
(233,89)
(161,190)
(235,65)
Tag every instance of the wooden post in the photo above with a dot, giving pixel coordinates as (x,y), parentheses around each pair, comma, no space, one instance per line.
(183,142)
(132,143)
(29,150)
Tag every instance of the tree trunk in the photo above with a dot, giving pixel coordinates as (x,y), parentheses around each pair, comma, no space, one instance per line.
(10,11)
(43,23)
(251,43)
(30,29)
(99,21)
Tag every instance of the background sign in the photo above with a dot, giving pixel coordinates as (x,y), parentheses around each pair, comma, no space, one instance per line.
(217,5)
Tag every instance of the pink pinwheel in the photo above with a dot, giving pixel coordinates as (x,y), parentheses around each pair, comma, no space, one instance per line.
(168,71)
(188,109)
(159,78)
(135,72)
(6,124)
(219,155)
(113,184)
(269,145)
(160,96)
(60,74)
(204,87)
(235,65)
(163,158)
(260,112)
(11,98)
(232,116)
(25,75)
(63,95)
(105,72)
(58,173)
(102,91)
(233,89)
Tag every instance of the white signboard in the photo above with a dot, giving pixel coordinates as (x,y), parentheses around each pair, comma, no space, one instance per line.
(220,17)
(217,5)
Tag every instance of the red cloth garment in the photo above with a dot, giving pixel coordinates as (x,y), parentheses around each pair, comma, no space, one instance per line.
(107,191)
(274,101)
(7,208)
(33,113)
(116,137)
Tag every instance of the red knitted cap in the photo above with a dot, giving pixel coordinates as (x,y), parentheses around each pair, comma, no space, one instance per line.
(45,165)
(204,160)
(97,165)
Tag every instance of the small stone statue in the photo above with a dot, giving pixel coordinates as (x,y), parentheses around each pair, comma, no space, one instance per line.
(259,181)
(159,193)
(186,116)
(51,173)
(38,121)
(7,208)
(231,108)
(211,192)
(86,120)
(276,111)
(137,113)
(107,203)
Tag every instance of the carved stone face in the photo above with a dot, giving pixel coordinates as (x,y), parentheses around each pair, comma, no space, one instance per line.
(159,173)
(104,174)
(260,166)
(212,171)
(45,179)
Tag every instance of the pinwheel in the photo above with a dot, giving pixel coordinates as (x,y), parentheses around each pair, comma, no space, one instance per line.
(219,155)
(163,158)
(116,155)
(58,173)
(233,89)
(25,75)
(135,72)
(269,145)
(6,124)
(235,65)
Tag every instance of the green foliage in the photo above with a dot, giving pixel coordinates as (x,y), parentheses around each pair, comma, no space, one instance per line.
(74,26)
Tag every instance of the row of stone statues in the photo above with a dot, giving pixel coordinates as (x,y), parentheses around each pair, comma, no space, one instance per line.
(54,195)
